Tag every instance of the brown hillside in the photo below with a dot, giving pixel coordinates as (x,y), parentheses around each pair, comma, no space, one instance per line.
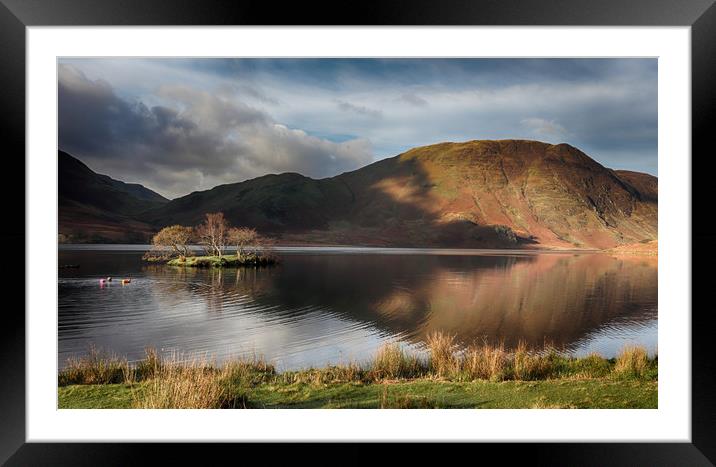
(460,194)
(477,194)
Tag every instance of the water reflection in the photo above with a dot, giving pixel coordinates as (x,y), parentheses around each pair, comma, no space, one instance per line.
(320,308)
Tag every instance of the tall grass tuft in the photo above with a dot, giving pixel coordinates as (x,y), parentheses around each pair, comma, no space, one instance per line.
(443,359)
(186,385)
(392,362)
(148,367)
(529,365)
(591,366)
(248,372)
(632,362)
(97,367)
(485,362)
(198,384)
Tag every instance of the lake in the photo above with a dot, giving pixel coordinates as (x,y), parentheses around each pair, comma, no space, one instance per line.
(336,305)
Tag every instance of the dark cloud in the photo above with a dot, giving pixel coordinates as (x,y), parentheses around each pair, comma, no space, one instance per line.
(195,141)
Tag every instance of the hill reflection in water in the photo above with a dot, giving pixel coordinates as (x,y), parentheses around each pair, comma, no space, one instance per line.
(319,308)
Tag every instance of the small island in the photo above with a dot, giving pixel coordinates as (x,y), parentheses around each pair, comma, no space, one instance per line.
(172,245)
(225,261)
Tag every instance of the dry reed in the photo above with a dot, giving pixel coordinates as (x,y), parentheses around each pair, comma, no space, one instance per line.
(444,361)
(393,362)
(632,362)
(485,362)
(97,367)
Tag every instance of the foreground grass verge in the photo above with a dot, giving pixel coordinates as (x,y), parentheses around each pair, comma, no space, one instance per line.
(553,394)
(477,377)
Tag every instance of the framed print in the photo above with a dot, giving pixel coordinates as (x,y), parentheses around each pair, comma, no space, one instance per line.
(236,219)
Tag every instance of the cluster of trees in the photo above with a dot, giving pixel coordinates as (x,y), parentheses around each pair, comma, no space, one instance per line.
(215,234)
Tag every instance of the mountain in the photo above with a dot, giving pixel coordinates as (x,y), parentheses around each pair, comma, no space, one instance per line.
(482,194)
(96,208)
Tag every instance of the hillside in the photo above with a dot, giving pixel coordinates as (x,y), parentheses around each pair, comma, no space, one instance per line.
(507,193)
(97,208)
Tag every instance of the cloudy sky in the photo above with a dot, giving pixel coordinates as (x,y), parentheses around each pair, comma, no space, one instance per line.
(181,125)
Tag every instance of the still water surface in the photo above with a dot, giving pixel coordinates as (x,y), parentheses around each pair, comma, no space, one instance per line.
(333,305)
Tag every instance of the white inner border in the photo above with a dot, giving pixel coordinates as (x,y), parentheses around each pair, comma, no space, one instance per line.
(670,422)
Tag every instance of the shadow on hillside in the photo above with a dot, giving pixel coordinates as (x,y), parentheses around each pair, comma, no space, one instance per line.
(392,202)
(396,202)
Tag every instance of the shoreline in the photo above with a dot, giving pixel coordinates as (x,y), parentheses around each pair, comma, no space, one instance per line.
(287,248)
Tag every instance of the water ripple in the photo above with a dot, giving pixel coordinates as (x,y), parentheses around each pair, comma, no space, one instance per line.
(319,308)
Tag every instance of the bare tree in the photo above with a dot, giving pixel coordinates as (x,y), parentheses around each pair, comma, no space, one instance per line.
(212,233)
(265,245)
(176,238)
(244,239)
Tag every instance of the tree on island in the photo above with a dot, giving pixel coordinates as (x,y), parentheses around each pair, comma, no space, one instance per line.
(212,233)
(243,238)
(176,238)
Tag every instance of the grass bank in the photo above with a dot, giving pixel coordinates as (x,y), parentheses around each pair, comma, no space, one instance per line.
(477,377)
(225,261)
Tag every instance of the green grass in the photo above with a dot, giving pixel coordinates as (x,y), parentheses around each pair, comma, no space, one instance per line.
(590,393)
(226,261)
(98,396)
(476,377)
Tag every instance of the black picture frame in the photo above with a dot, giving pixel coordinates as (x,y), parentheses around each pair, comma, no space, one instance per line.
(17,15)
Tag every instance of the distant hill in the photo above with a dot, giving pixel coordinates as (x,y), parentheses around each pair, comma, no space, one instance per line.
(96,208)
(481,194)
